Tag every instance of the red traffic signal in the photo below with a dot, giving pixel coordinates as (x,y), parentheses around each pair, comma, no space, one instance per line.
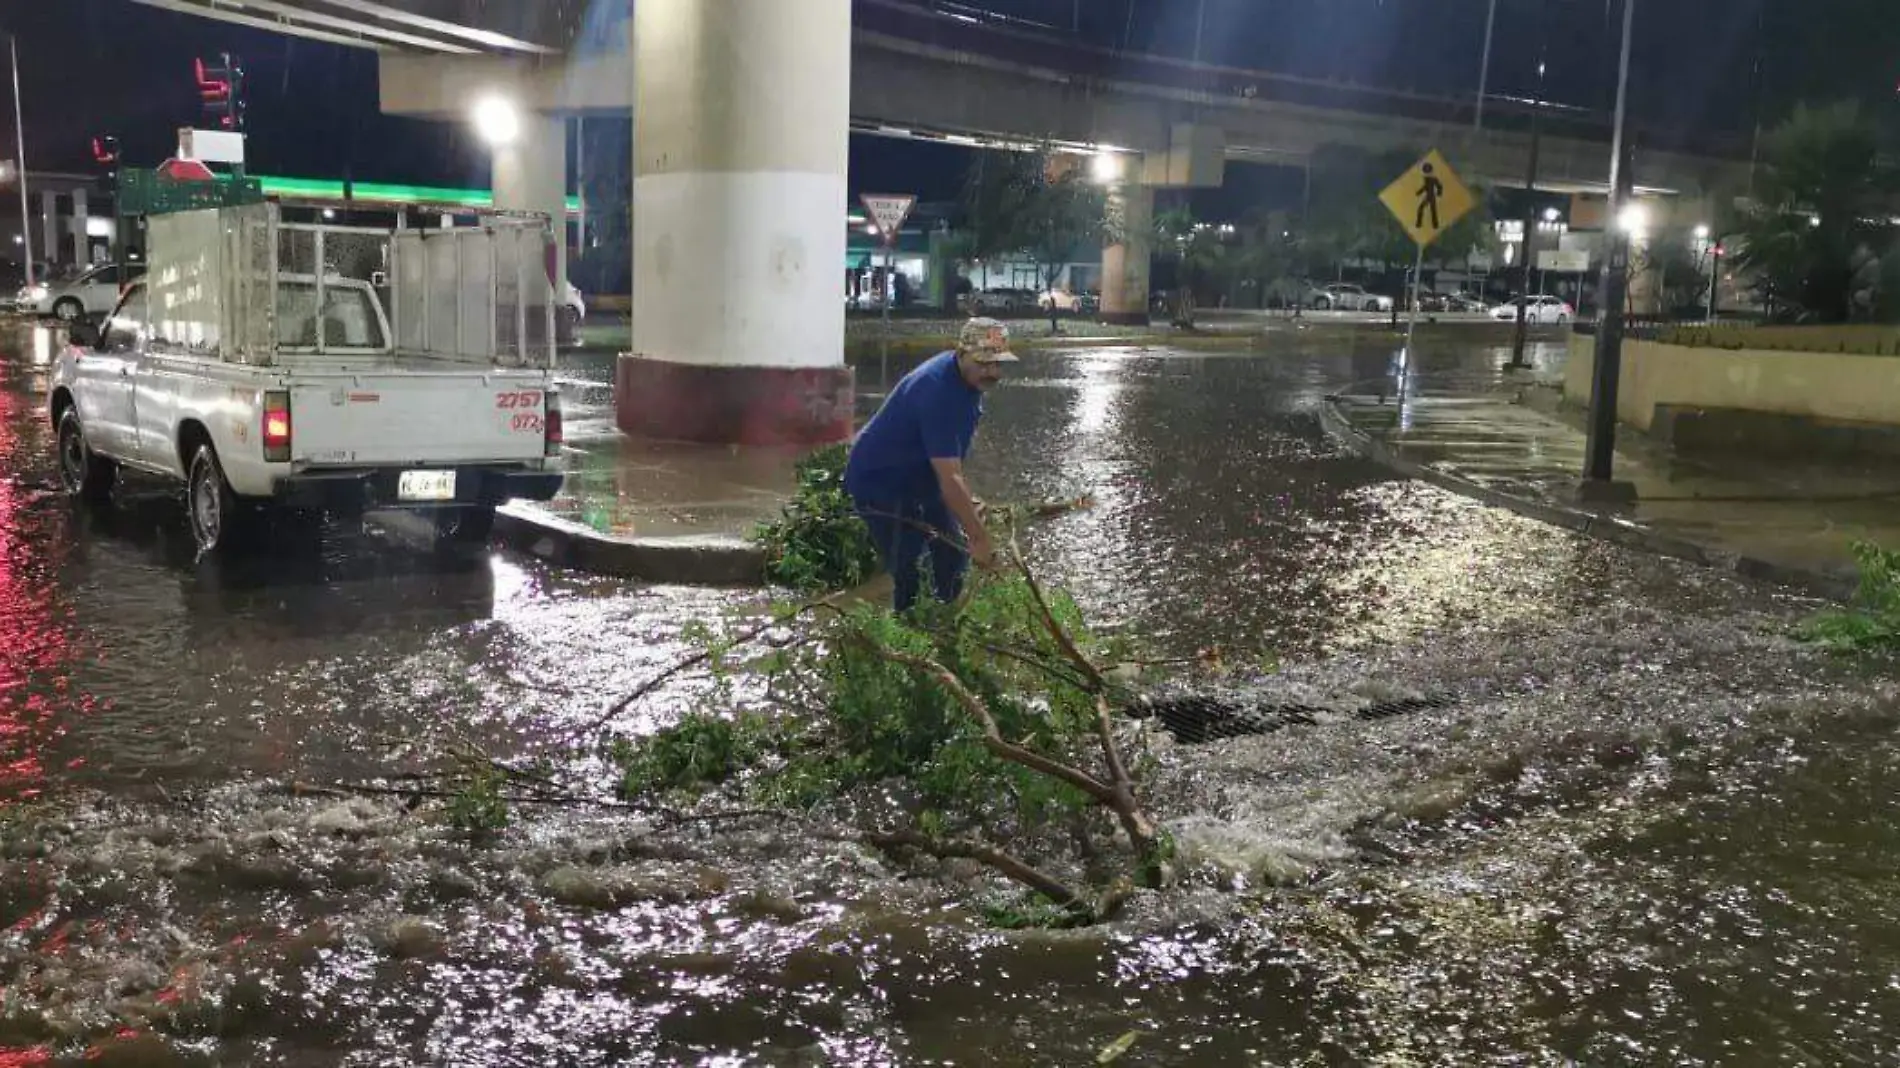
(219,86)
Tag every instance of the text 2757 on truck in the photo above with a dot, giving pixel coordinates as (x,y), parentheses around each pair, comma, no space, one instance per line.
(269,364)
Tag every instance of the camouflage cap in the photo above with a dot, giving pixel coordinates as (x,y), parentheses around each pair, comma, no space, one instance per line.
(986,341)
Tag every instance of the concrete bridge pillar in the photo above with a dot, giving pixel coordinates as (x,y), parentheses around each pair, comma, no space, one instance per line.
(1125,263)
(741,121)
(530,174)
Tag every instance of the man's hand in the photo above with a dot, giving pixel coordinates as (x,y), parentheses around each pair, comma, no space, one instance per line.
(982,552)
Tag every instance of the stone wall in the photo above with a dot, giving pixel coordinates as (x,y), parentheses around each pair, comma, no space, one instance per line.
(1818,386)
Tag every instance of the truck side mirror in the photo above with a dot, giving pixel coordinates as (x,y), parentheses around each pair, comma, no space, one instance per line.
(83,334)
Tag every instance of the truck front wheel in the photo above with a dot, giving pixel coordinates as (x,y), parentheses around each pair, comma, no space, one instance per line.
(82,473)
(220,519)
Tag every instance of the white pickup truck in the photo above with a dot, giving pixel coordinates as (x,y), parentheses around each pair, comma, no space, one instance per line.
(257,365)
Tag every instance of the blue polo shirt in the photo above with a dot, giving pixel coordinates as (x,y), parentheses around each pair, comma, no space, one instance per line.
(931,415)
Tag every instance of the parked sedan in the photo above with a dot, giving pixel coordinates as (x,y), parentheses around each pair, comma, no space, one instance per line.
(93,293)
(1003,300)
(1539,310)
(1345,296)
(1451,302)
(1061,301)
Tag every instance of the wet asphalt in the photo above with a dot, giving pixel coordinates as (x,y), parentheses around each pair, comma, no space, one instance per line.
(1629,823)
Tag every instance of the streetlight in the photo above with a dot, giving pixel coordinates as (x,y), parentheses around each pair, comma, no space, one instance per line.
(1105,168)
(1634,220)
(19,139)
(1484,68)
(1551,215)
(1702,232)
(1600,446)
(1521,334)
(497,120)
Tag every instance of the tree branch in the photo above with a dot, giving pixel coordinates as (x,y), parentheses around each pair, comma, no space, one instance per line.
(1010,866)
(992,734)
(646,688)
(1063,641)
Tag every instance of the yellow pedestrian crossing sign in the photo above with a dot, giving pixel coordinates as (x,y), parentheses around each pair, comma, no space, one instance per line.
(1428,199)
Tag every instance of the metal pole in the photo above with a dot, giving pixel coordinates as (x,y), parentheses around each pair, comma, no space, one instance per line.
(1484,69)
(19,138)
(580,178)
(1600,450)
(1411,326)
(1715,277)
(1520,335)
(886,291)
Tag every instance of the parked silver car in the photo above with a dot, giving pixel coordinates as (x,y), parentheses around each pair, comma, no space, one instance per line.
(1345,296)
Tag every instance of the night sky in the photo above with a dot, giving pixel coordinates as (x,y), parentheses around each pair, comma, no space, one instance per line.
(92,66)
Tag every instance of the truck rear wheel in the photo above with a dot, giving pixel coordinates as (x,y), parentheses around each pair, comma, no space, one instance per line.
(220,520)
(82,473)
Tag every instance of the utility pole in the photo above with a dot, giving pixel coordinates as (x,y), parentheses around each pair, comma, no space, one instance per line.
(19,162)
(1484,68)
(1600,450)
(1715,275)
(1520,336)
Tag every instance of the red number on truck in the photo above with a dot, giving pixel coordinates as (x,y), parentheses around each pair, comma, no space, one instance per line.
(526,421)
(524,399)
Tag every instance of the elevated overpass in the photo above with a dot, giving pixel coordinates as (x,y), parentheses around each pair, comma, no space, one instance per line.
(918,72)
(742,108)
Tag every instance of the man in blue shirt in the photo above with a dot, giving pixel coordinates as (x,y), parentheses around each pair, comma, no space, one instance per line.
(905,474)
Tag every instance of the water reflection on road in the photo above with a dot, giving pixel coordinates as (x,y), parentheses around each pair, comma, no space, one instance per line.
(1588,852)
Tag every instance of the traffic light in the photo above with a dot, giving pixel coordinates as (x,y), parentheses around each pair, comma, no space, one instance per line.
(221,90)
(105,152)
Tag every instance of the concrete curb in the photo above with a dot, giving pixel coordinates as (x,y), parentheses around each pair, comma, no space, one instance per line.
(1610,528)
(694,560)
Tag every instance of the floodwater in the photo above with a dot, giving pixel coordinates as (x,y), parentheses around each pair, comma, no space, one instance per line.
(1636,825)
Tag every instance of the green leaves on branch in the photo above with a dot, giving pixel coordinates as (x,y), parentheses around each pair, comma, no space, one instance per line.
(970,730)
(818,544)
(1872,622)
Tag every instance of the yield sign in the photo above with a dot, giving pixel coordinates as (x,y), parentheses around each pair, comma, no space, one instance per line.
(888,210)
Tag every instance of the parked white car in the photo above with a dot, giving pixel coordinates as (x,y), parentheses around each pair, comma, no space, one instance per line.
(93,293)
(573,308)
(1541,310)
(1345,296)
(1062,301)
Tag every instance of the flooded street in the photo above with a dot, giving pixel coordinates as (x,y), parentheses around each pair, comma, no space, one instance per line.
(1623,819)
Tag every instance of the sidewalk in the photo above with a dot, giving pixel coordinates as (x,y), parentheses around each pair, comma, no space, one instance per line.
(1511,442)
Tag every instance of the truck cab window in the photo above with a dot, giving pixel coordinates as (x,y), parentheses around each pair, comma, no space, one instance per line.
(347,320)
(127,324)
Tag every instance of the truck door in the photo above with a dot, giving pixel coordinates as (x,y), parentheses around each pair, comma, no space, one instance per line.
(104,385)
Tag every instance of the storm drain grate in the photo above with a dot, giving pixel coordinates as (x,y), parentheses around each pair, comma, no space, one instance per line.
(1390,709)
(1198,720)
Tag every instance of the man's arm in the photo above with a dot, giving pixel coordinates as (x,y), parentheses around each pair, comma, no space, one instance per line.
(962,504)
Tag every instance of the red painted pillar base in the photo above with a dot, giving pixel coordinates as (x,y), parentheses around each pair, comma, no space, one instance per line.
(733,405)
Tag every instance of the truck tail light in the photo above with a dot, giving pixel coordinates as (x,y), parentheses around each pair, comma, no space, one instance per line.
(551,420)
(276,429)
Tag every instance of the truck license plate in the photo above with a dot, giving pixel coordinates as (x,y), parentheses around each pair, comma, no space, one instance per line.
(426,486)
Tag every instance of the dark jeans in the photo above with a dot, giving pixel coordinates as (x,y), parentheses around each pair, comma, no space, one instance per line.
(911,536)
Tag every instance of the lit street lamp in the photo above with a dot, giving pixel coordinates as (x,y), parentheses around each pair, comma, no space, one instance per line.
(497,120)
(1600,447)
